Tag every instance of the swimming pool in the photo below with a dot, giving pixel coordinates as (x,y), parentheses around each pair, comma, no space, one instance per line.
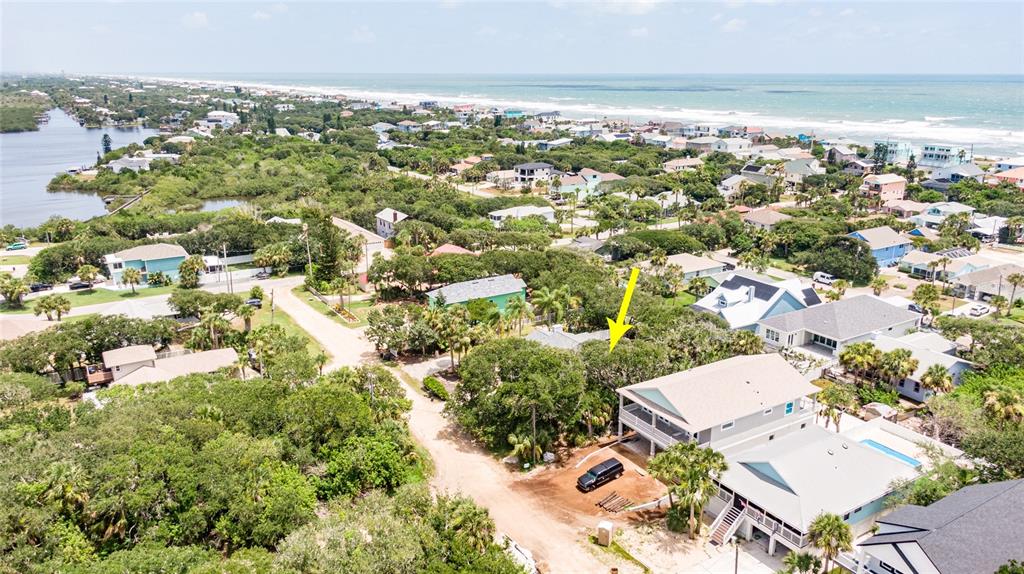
(893,453)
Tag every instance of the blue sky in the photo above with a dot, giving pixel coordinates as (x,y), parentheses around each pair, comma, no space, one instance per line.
(559,36)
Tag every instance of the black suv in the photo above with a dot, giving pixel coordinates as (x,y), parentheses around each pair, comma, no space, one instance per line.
(607,471)
(37,287)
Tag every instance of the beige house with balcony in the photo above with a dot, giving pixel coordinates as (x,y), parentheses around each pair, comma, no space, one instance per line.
(747,399)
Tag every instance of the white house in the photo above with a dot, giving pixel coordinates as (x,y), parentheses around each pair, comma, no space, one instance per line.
(499,216)
(387,219)
(527,174)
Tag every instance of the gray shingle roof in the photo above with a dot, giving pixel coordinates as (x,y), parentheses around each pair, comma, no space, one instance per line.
(844,319)
(561,340)
(975,529)
(479,289)
(533,165)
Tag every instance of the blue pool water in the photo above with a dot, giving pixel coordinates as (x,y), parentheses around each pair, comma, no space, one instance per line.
(893,453)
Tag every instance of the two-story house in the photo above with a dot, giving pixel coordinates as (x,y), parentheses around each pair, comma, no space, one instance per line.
(148,259)
(887,246)
(744,399)
(387,219)
(936,213)
(499,216)
(944,155)
(743,301)
(884,186)
(527,174)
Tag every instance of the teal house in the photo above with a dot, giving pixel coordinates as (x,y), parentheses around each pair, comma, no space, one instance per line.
(499,290)
(163,257)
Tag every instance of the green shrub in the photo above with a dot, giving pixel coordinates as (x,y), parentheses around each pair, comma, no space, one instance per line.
(435,387)
(868,394)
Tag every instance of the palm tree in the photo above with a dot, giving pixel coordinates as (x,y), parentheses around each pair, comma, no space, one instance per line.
(1005,405)
(926,295)
(698,286)
(472,523)
(878,285)
(66,487)
(246,312)
(550,303)
(523,445)
(1016,280)
(937,379)
(897,365)
(1000,303)
(131,276)
(694,470)
(13,290)
(830,534)
(801,563)
(746,343)
(517,310)
(860,358)
(87,274)
(835,398)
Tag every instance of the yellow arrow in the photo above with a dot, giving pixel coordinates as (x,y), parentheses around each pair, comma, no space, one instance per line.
(618,327)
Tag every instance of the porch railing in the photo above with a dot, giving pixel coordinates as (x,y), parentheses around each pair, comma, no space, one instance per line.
(660,438)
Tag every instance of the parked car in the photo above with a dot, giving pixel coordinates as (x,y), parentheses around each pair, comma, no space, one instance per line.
(823,278)
(606,471)
(262,275)
(17,245)
(254,302)
(37,287)
(978,310)
(77,285)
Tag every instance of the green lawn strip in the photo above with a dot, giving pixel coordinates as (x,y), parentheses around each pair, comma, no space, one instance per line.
(684,299)
(14,260)
(617,549)
(358,308)
(97,296)
(263,317)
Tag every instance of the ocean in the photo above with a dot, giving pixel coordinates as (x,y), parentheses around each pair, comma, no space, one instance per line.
(986,112)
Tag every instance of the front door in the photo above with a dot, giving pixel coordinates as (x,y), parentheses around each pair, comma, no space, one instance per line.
(739,502)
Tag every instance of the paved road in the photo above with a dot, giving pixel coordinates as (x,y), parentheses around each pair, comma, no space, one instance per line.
(347,347)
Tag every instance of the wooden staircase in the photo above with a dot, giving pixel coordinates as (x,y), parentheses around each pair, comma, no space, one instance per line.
(725,527)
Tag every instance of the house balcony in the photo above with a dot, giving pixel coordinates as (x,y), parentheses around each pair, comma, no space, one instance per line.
(650,426)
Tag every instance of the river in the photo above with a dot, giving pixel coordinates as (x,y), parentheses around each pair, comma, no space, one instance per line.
(29,160)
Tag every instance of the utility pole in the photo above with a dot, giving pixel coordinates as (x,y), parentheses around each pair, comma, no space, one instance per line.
(271,306)
(309,258)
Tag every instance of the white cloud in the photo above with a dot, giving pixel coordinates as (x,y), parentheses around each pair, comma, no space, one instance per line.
(632,7)
(279,7)
(450,4)
(641,32)
(734,25)
(847,12)
(195,20)
(362,35)
(716,17)
(100,29)
(260,15)
(487,31)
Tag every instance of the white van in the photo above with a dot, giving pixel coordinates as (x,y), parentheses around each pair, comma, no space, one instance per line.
(823,278)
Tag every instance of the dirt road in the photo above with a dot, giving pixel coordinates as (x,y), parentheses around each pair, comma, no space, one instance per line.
(555,536)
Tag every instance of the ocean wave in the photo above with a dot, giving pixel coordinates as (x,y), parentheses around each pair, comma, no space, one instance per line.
(942,118)
(985,139)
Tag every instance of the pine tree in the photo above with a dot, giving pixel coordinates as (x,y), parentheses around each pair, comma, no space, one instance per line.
(107,143)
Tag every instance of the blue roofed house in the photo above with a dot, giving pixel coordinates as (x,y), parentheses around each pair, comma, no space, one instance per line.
(743,301)
(162,257)
(887,246)
(499,290)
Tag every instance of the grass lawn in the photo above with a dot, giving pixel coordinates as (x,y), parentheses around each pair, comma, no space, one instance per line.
(96,296)
(263,317)
(14,259)
(780,263)
(684,299)
(358,308)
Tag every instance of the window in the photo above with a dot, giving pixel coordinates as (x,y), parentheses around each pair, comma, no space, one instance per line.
(846,516)
(888,568)
(771,335)
(768,412)
(804,425)
(771,437)
(789,408)
(118,265)
(917,387)
(728,425)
